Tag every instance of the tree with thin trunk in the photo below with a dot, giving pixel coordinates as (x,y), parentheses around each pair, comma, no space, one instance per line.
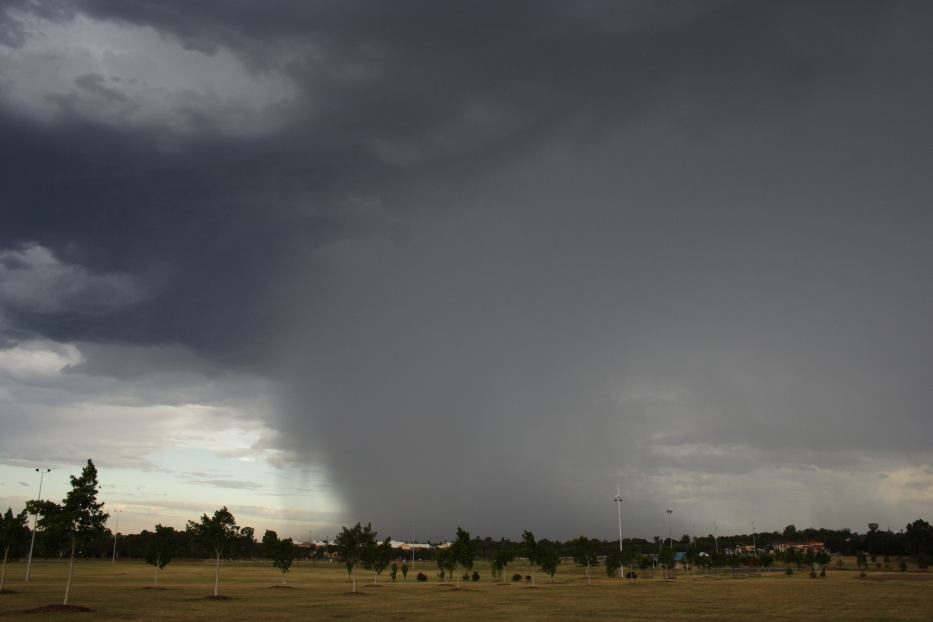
(377,556)
(446,563)
(80,517)
(12,532)
(159,550)
(586,553)
(500,560)
(218,533)
(613,562)
(530,547)
(548,560)
(351,543)
(281,552)
(463,552)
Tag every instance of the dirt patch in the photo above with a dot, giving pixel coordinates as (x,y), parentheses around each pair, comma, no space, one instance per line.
(898,577)
(150,587)
(218,597)
(59,609)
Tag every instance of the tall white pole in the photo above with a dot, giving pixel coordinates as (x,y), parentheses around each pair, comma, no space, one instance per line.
(669,529)
(716,536)
(35,522)
(412,547)
(115,529)
(754,541)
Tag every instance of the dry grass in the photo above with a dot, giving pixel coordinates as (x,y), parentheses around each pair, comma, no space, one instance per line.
(322,593)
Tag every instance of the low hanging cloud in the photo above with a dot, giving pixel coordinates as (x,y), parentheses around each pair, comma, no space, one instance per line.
(34,280)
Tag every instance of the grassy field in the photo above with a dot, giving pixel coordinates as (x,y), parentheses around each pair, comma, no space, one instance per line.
(321,592)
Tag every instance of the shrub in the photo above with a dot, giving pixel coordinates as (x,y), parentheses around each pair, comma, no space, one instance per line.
(903,566)
(422,577)
(465,576)
(516,577)
(475,576)
(528,578)
(788,571)
(631,574)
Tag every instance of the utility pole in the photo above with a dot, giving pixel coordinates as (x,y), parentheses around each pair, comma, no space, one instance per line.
(618,502)
(35,522)
(669,537)
(716,536)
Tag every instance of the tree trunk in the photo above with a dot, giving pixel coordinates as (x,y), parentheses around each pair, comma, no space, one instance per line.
(284,581)
(6,552)
(71,568)
(458,578)
(217,574)
(353,579)
(156,584)
(589,581)
(532,574)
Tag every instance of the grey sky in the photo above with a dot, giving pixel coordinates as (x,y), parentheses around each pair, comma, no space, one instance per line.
(475,263)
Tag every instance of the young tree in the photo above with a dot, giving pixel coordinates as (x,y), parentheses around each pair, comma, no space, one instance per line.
(548,559)
(613,562)
(393,571)
(218,532)
(446,564)
(530,548)
(281,552)
(351,543)
(404,570)
(377,555)
(463,552)
(501,559)
(12,532)
(160,549)
(77,519)
(586,553)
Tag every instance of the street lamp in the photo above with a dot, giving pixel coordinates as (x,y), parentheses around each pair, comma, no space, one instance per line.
(716,536)
(671,539)
(35,522)
(754,541)
(618,502)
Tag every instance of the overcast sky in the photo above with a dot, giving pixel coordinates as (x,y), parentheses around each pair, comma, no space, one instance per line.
(430,264)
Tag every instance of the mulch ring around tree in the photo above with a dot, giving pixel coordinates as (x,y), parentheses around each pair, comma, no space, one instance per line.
(218,597)
(150,587)
(59,609)
(280,587)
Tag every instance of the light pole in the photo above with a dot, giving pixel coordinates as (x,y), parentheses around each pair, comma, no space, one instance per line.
(115,529)
(618,502)
(669,537)
(716,536)
(754,541)
(35,522)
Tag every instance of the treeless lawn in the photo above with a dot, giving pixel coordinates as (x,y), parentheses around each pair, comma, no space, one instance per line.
(321,592)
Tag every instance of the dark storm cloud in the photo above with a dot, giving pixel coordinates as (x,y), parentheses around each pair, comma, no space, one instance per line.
(512,252)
